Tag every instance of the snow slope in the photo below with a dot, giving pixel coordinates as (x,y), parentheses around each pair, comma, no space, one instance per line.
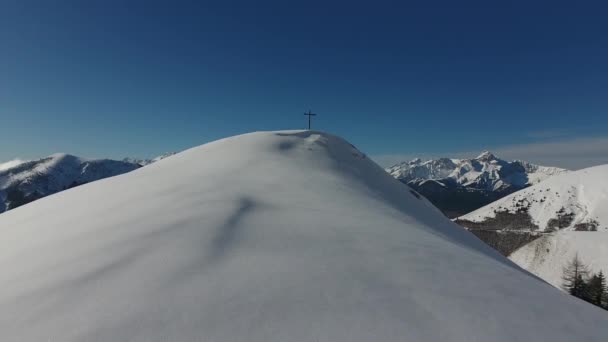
(271,236)
(569,215)
(39,178)
(32,180)
(547,256)
(573,201)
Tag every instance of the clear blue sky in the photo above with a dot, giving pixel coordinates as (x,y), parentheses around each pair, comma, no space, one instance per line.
(138,78)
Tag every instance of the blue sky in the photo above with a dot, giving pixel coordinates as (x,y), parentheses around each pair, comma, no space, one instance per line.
(398,79)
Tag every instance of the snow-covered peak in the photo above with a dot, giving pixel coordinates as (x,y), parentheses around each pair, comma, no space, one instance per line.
(269,236)
(61,155)
(485,172)
(418,169)
(486,156)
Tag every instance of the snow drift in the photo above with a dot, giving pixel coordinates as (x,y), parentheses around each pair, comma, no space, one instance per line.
(274,236)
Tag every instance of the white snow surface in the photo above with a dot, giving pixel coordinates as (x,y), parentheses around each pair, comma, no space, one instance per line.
(582,193)
(270,236)
(10,164)
(547,256)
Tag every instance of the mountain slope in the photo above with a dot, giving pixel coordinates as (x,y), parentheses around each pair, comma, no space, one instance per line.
(563,216)
(459,186)
(32,180)
(272,236)
(548,255)
(574,201)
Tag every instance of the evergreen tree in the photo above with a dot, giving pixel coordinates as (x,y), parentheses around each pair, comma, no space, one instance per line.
(597,289)
(604,287)
(575,274)
(580,288)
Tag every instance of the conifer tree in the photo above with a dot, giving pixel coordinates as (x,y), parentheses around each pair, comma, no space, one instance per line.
(597,289)
(574,277)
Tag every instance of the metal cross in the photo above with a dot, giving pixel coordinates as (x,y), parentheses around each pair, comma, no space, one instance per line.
(309,117)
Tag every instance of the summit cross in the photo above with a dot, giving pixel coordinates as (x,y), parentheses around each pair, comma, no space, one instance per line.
(310,115)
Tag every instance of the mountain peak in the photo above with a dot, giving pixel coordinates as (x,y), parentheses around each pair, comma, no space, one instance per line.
(61,156)
(486,155)
(269,236)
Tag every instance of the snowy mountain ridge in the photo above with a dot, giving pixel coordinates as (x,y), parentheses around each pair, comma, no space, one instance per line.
(577,200)
(419,169)
(269,236)
(144,162)
(459,186)
(486,171)
(32,180)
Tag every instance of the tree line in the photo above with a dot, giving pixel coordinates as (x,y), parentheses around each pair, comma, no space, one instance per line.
(590,287)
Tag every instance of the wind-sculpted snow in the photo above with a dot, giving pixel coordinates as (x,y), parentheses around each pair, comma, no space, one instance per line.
(271,236)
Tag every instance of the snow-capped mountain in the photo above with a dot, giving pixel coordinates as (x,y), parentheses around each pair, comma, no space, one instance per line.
(564,215)
(575,201)
(418,169)
(36,179)
(459,186)
(32,180)
(269,236)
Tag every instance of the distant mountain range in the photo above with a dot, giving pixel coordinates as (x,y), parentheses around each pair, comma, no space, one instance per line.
(459,186)
(33,180)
